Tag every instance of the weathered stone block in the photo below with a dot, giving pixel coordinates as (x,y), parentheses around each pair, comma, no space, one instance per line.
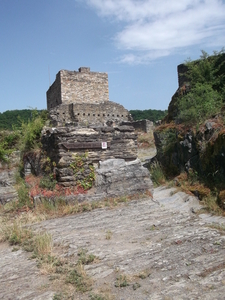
(116,177)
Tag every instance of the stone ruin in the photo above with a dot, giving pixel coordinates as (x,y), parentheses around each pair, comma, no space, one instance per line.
(87,131)
(82,98)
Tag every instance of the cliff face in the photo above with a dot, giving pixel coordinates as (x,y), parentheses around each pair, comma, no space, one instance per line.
(179,149)
(199,145)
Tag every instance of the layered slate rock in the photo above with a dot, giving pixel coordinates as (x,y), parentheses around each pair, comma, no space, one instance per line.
(164,248)
(114,177)
(64,144)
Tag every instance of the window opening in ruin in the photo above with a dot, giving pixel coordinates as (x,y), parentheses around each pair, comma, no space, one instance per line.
(112,115)
(83,114)
(117,115)
(88,114)
(93,115)
(78,114)
(98,115)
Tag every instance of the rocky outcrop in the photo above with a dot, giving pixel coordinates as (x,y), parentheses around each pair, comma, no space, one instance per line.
(115,177)
(165,250)
(179,149)
(8,178)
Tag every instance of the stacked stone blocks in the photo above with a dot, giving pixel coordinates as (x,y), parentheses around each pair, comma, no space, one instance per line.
(78,87)
(63,144)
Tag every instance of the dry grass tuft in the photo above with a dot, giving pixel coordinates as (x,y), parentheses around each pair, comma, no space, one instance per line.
(43,244)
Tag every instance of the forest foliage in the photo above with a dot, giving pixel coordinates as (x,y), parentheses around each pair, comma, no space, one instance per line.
(11,119)
(148,114)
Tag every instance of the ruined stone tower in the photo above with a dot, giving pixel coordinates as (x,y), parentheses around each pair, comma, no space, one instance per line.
(78,87)
(83,97)
(90,135)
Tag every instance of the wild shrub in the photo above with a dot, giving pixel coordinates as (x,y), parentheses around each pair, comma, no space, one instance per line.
(85,259)
(24,137)
(8,143)
(4,153)
(31,132)
(206,96)
(79,279)
(157,174)
(47,182)
(199,104)
(23,196)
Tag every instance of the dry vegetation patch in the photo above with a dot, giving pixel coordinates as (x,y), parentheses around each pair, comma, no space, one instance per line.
(145,140)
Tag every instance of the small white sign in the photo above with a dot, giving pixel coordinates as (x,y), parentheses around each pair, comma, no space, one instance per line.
(104,145)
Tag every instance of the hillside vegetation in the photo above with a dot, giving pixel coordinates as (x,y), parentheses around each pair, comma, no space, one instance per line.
(11,119)
(206,97)
(25,134)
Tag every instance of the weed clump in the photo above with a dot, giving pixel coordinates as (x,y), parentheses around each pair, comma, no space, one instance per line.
(23,197)
(79,279)
(121,281)
(83,173)
(157,174)
(85,259)
(47,182)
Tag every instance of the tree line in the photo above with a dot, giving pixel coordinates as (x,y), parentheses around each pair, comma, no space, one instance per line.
(148,114)
(11,119)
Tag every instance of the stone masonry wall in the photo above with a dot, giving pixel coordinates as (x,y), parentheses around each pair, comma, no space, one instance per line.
(63,144)
(88,114)
(143,125)
(54,93)
(78,87)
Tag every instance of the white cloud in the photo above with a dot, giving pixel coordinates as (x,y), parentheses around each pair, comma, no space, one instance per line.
(155,28)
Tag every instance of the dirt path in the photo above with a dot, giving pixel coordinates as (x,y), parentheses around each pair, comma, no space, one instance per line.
(161,247)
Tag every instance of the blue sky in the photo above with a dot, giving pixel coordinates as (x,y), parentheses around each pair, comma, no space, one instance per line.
(139,43)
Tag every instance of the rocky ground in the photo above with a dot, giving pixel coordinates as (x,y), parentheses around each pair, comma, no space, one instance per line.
(159,248)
